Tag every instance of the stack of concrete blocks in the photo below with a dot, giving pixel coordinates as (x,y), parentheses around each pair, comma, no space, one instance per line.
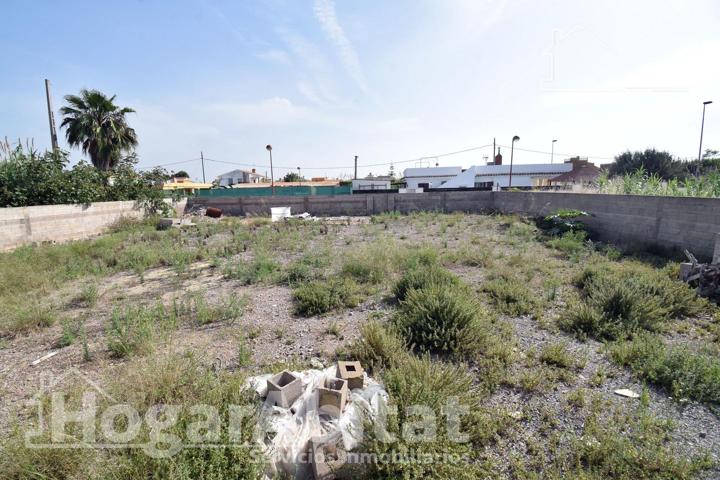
(283,389)
(329,458)
(353,373)
(332,396)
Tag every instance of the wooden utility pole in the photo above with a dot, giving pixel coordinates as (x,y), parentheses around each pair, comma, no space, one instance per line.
(355,167)
(202,162)
(51,117)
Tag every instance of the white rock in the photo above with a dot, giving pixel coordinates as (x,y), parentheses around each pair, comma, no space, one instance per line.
(625,392)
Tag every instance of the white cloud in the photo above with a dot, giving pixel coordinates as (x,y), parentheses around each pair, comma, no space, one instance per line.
(272,111)
(325,13)
(275,55)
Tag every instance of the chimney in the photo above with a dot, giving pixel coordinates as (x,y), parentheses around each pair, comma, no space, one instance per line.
(253,170)
(498,158)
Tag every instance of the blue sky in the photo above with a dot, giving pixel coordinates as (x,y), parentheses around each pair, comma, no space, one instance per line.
(390,81)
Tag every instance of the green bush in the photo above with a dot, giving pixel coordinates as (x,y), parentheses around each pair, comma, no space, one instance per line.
(510,296)
(371,264)
(423,277)
(684,373)
(571,242)
(377,347)
(439,319)
(430,384)
(620,299)
(620,444)
(29,178)
(321,296)
(261,269)
(132,330)
(557,355)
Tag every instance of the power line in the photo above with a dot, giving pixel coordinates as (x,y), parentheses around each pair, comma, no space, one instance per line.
(394,162)
(558,153)
(170,164)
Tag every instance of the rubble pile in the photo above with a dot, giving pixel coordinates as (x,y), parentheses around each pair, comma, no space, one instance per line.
(705,277)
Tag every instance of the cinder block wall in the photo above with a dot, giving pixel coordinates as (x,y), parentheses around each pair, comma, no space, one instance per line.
(664,222)
(58,223)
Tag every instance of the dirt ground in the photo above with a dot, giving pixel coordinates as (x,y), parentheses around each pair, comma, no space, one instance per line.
(275,333)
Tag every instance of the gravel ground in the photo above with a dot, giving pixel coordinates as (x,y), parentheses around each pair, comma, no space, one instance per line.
(281,335)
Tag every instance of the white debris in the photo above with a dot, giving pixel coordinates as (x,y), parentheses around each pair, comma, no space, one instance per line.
(624,392)
(289,430)
(279,213)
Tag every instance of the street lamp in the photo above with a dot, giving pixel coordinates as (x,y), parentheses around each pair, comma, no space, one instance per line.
(702,127)
(512,148)
(299,176)
(552,151)
(272,175)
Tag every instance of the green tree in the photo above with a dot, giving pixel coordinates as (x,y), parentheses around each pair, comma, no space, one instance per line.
(292,177)
(653,162)
(181,174)
(98,127)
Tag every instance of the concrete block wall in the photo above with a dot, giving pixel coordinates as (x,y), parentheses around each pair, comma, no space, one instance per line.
(59,223)
(664,222)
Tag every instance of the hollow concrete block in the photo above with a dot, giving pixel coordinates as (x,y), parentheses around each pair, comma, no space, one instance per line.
(328,457)
(283,389)
(352,372)
(332,396)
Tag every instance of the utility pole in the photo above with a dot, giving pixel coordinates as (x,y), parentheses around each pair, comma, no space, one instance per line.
(702,127)
(202,161)
(512,148)
(51,117)
(272,175)
(355,167)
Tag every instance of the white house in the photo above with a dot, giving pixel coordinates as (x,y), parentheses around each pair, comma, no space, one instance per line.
(431,177)
(240,176)
(368,184)
(486,176)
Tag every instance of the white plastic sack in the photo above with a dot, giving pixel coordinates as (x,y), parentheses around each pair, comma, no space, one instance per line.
(289,430)
(279,213)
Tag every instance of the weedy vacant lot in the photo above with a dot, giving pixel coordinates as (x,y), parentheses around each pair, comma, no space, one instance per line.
(532,330)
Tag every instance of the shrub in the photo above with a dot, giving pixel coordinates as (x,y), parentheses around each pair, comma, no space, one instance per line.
(260,269)
(684,373)
(557,355)
(377,347)
(571,242)
(469,255)
(420,381)
(227,309)
(619,300)
(510,296)
(370,264)
(23,319)
(624,445)
(418,257)
(423,277)
(321,296)
(442,320)
(131,331)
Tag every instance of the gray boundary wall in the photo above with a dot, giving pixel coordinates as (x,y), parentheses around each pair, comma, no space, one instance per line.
(59,223)
(643,221)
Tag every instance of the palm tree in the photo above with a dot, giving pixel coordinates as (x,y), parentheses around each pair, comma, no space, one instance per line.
(98,126)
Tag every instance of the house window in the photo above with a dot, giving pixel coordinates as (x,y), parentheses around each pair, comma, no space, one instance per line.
(424,186)
(484,185)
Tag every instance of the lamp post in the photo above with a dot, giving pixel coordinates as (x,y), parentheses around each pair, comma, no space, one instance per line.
(299,176)
(552,151)
(702,127)
(272,175)
(512,148)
